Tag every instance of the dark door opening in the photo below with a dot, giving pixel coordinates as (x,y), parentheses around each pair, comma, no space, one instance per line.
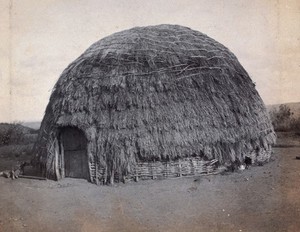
(74,145)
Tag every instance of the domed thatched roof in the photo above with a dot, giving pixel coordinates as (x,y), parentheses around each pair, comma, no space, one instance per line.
(158,93)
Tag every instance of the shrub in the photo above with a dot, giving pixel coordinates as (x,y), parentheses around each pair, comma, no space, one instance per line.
(282,118)
(295,125)
(15,133)
(15,150)
(10,133)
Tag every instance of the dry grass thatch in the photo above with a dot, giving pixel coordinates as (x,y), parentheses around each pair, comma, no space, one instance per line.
(156,93)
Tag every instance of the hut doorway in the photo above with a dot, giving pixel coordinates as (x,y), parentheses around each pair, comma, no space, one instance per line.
(74,153)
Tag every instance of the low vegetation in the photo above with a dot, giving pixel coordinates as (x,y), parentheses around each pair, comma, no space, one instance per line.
(16,143)
(284,120)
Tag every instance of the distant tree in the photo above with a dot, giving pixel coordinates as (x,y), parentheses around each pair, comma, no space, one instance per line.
(282,119)
(296,125)
(11,133)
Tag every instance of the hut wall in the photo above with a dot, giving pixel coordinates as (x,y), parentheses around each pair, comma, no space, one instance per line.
(259,150)
(107,163)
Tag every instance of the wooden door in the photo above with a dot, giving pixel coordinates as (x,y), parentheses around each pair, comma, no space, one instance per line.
(75,155)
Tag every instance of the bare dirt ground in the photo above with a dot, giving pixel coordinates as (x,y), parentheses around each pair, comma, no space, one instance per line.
(262,198)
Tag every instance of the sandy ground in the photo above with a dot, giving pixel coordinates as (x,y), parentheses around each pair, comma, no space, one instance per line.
(262,198)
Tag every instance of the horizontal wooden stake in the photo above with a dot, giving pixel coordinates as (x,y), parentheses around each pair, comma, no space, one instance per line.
(32,177)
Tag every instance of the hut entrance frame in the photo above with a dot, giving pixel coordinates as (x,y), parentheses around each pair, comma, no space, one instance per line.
(72,155)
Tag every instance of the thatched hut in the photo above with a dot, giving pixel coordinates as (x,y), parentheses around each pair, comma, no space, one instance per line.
(152,102)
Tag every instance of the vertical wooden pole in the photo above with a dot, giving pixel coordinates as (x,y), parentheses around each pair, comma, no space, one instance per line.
(179,167)
(105,175)
(56,159)
(96,169)
(167,169)
(192,168)
(62,157)
(112,176)
(136,173)
(151,170)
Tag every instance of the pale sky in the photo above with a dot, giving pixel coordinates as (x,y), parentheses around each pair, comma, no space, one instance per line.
(40,38)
